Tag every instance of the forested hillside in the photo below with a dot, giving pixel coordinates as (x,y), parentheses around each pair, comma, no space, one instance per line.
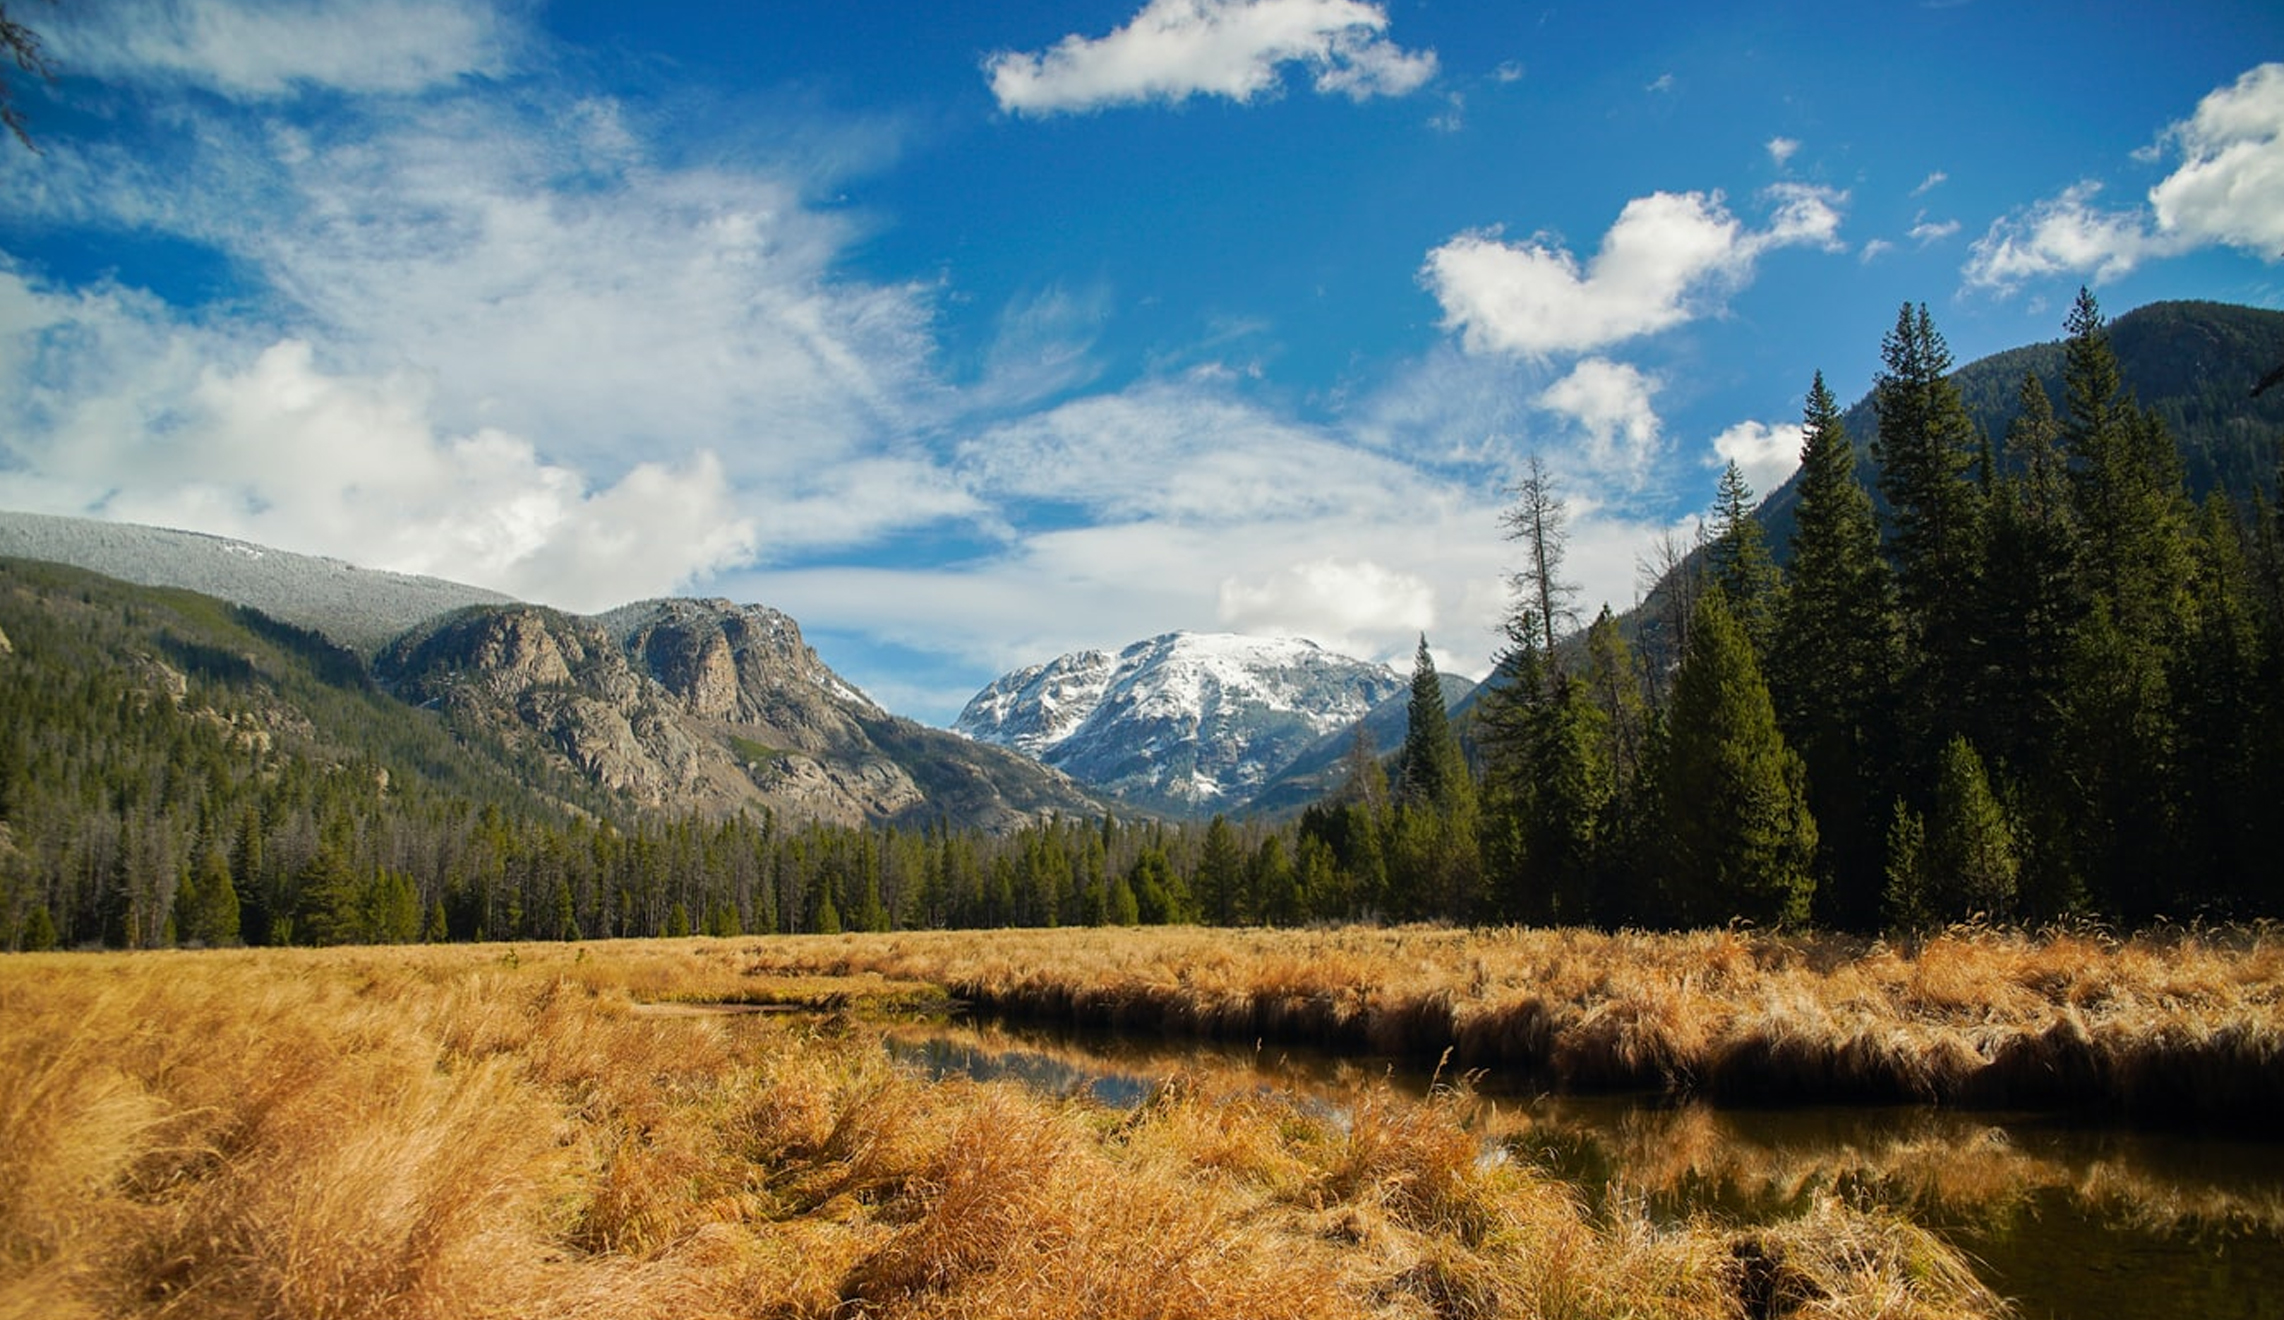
(2017,678)
(2193,364)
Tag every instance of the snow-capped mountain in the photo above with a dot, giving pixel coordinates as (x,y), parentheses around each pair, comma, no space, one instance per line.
(1186,722)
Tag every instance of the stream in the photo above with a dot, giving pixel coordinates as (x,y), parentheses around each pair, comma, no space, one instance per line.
(2065,1217)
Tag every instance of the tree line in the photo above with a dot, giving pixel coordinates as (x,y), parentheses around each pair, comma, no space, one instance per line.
(2030,681)
(2020,678)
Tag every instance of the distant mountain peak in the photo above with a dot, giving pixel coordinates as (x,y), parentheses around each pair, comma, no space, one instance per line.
(1185,722)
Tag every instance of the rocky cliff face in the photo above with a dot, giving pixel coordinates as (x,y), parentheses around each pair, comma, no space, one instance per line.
(1188,723)
(706,704)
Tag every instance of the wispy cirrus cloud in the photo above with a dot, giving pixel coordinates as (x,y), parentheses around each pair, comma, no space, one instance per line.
(262,48)
(2227,190)
(1176,49)
(584,373)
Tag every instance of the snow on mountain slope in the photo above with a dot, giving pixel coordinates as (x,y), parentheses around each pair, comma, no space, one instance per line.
(1187,723)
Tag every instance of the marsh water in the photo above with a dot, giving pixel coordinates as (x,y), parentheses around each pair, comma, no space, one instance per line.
(2068,1219)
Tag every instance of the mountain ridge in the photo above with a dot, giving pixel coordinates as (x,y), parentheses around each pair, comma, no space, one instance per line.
(1185,723)
(668,704)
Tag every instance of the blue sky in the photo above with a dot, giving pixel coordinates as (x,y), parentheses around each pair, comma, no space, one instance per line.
(972,334)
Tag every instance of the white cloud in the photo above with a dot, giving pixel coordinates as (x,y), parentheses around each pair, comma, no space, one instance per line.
(1668,258)
(280,451)
(541,328)
(1926,231)
(1175,49)
(2230,186)
(2227,191)
(1610,401)
(1875,249)
(549,278)
(256,49)
(1765,454)
(2063,234)
(1185,452)
(1346,605)
(1933,181)
(1782,149)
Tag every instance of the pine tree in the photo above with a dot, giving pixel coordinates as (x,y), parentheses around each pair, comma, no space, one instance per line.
(207,907)
(1907,904)
(1538,520)
(1221,873)
(1567,811)
(1739,559)
(1739,839)
(39,930)
(1926,446)
(2225,785)
(1433,851)
(1972,857)
(2030,600)
(2118,729)
(1833,668)
(1433,772)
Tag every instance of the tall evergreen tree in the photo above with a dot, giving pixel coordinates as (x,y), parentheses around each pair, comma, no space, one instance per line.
(1740,562)
(1739,838)
(1433,850)
(1433,770)
(1926,448)
(2118,730)
(1833,668)
(1221,873)
(2029,590)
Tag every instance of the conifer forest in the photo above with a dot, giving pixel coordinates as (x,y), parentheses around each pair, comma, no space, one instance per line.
(2015,678)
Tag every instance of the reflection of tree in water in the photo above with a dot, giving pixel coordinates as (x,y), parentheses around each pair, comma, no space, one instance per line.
(1944,1166)
(1935,1165)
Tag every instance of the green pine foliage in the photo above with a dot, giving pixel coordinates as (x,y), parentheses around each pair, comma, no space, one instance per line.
(1834,664)
(1739,560)
(1739,841)
(1927,448)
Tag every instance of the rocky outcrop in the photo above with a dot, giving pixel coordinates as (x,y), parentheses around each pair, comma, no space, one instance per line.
(708,704)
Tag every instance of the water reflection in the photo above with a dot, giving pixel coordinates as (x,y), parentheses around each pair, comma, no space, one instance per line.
(2069,1219)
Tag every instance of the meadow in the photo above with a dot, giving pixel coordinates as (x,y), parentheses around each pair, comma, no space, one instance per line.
(2166,1027)
(574,1130)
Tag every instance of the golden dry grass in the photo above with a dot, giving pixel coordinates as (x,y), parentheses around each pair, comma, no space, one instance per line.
(485,1132)
(2165,1027)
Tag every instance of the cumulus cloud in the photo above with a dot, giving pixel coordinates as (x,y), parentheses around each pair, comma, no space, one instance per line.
(2063,234)
(1175,49)
(2227,191)
(1610,401)
(256,49)
(565,349)
(2229,187)
(281,451)
(1668,258)
(1765,454)
(1346,605)
(1782,149)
